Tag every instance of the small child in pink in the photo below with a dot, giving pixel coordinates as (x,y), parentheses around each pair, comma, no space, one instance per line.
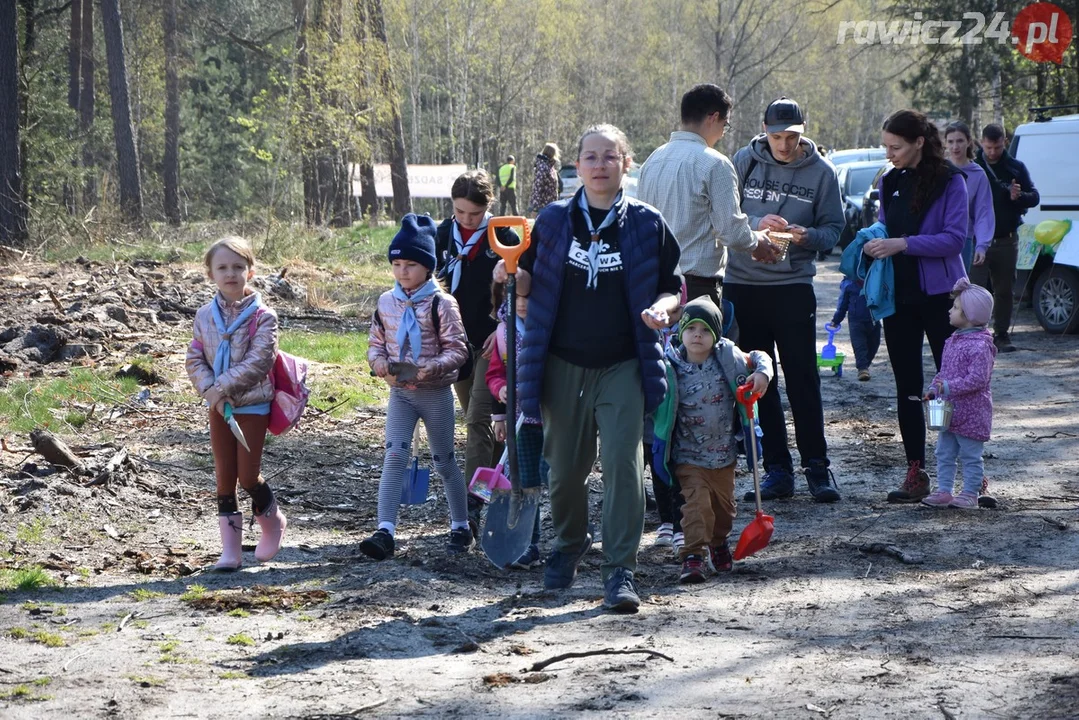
(965,372)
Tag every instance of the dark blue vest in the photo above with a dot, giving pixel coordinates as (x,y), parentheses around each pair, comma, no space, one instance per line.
(638,237)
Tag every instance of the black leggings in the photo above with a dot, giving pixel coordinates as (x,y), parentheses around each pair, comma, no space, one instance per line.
(904,333)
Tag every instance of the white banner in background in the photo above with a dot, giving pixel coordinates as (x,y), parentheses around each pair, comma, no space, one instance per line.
(424,181)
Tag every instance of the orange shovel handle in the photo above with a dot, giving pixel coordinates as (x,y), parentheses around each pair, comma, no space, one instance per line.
(509,253)
(747,397)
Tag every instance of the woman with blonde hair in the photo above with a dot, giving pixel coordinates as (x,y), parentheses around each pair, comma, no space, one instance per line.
(545,182)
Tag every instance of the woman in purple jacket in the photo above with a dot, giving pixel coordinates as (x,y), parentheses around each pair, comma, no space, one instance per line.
(982,223)
(924,206)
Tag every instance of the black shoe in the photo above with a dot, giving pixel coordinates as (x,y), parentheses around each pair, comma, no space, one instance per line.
(1003,343)
(821,482)
(460,541)
(379,546)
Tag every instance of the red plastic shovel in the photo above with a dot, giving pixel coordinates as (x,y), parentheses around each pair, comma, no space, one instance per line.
(759,531)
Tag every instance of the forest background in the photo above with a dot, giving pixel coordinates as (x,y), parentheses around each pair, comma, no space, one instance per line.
(136,112)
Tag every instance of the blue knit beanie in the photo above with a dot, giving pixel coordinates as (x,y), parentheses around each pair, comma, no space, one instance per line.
(415,241)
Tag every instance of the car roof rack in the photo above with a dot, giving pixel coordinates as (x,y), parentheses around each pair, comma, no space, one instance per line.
(1041,114)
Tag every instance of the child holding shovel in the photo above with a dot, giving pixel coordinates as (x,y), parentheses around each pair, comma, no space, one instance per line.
(697,431)
(533,467)
(229,364)
(966,369)
(420,366)
(864,330)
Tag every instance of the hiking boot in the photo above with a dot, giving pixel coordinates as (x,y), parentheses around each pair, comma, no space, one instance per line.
(778,484)
(1003,343)
(964,501)
(914,488)
(821,482)
(460,541)
(939,499)
(692,570)
(719,556)
(379,546)
(561,568)
(620,592)
(863,375)
(529,560)
(664,536)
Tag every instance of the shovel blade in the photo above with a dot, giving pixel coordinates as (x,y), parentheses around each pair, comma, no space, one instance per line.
(507,531)
(238,433)
(416,484)
(755,536)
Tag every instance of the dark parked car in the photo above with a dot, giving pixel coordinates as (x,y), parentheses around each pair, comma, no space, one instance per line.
(855,180)
(870,202)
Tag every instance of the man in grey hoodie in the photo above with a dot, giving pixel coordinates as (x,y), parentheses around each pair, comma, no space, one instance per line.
(787,186)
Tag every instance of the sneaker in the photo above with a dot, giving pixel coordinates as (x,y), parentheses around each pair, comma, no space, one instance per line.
(821,482)
(939,499)
(678,541)
(529,560)
(664,536)
(692,570)
(914,488)
(1003,343)
(719,557)
(964,501)
(460,541)
(778,484)
(863,375)
(561,568)
(620,592)
(379,546)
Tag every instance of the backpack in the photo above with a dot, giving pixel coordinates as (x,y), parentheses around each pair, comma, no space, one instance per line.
(465,371)
(288,376)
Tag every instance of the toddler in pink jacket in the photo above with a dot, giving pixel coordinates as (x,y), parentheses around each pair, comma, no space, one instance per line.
(965,372)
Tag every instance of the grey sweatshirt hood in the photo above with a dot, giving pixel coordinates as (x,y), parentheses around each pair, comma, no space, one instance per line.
(804,192)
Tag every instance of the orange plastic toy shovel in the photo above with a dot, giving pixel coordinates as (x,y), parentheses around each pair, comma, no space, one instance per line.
(759,531)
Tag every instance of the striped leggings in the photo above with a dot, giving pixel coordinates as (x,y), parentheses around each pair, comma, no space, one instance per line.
(406,408)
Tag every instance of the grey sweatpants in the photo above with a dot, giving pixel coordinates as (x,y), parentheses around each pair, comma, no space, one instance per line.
(406,408)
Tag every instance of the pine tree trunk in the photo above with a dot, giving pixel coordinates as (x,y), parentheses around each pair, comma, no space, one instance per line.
(86,104)
(171,160)
(74,54)
(402,200)
(28,47)
(127,158)
(12,209)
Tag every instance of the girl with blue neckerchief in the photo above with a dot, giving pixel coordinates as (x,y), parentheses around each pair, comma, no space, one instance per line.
(229,362)
(419,354)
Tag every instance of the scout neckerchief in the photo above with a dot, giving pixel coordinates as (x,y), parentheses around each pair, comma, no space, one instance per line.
(464,250)
(410,325)
(223,358)
(594,245)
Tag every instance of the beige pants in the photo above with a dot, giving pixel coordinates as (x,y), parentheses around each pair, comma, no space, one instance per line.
(709,510)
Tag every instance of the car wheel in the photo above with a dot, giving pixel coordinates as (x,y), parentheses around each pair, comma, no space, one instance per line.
(1056,300)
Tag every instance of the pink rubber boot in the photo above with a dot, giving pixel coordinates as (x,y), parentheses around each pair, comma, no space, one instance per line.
(273,524)
(232,530)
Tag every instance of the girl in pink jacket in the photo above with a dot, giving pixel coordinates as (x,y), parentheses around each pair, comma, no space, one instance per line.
(229,363)
(417,344)
(966,369)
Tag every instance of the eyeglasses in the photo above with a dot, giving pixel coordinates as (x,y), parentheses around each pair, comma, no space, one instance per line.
(595,160)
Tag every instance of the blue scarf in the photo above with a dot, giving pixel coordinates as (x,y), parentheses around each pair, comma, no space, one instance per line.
(223,358)
(409,329)
(595,246)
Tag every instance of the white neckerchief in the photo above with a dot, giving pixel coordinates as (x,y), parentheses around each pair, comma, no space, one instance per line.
(594,245)
(453,267)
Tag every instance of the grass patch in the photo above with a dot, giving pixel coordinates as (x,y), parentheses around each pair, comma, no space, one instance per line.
(33,532)
(147,680)
(43,681)
(234,675)
(142,594)
(19,633)
(22,693)
(168,646)
(242,639)
(27,405)
(304,617)
(194,592)
(31,578)
(238,612)
(344,383)
(88,632)
(48,639)
(326,347)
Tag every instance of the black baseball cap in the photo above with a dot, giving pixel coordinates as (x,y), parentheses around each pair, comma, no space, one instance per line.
(784,115)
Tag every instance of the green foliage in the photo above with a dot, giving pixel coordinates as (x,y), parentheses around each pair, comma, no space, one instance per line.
(27,405)
(33,532)
(142,594)
(31,578)
(242,639)
(194,592)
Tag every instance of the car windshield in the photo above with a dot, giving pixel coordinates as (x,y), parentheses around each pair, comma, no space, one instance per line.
(860,179)
(568,171)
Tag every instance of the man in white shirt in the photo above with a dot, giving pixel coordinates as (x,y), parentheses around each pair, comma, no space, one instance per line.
(696,188)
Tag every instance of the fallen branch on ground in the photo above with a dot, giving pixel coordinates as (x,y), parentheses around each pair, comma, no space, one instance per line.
(1057,434)
(536,667)
(886,549)
(110,468)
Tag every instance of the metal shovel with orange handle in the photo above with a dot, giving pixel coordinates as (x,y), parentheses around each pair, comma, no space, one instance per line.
(759,531)
(507,531)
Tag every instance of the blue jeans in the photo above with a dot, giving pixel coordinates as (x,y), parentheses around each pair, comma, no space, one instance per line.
(865,338)
(968,254)
(955,450)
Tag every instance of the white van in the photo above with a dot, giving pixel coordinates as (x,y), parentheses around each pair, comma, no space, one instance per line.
(1049,147)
